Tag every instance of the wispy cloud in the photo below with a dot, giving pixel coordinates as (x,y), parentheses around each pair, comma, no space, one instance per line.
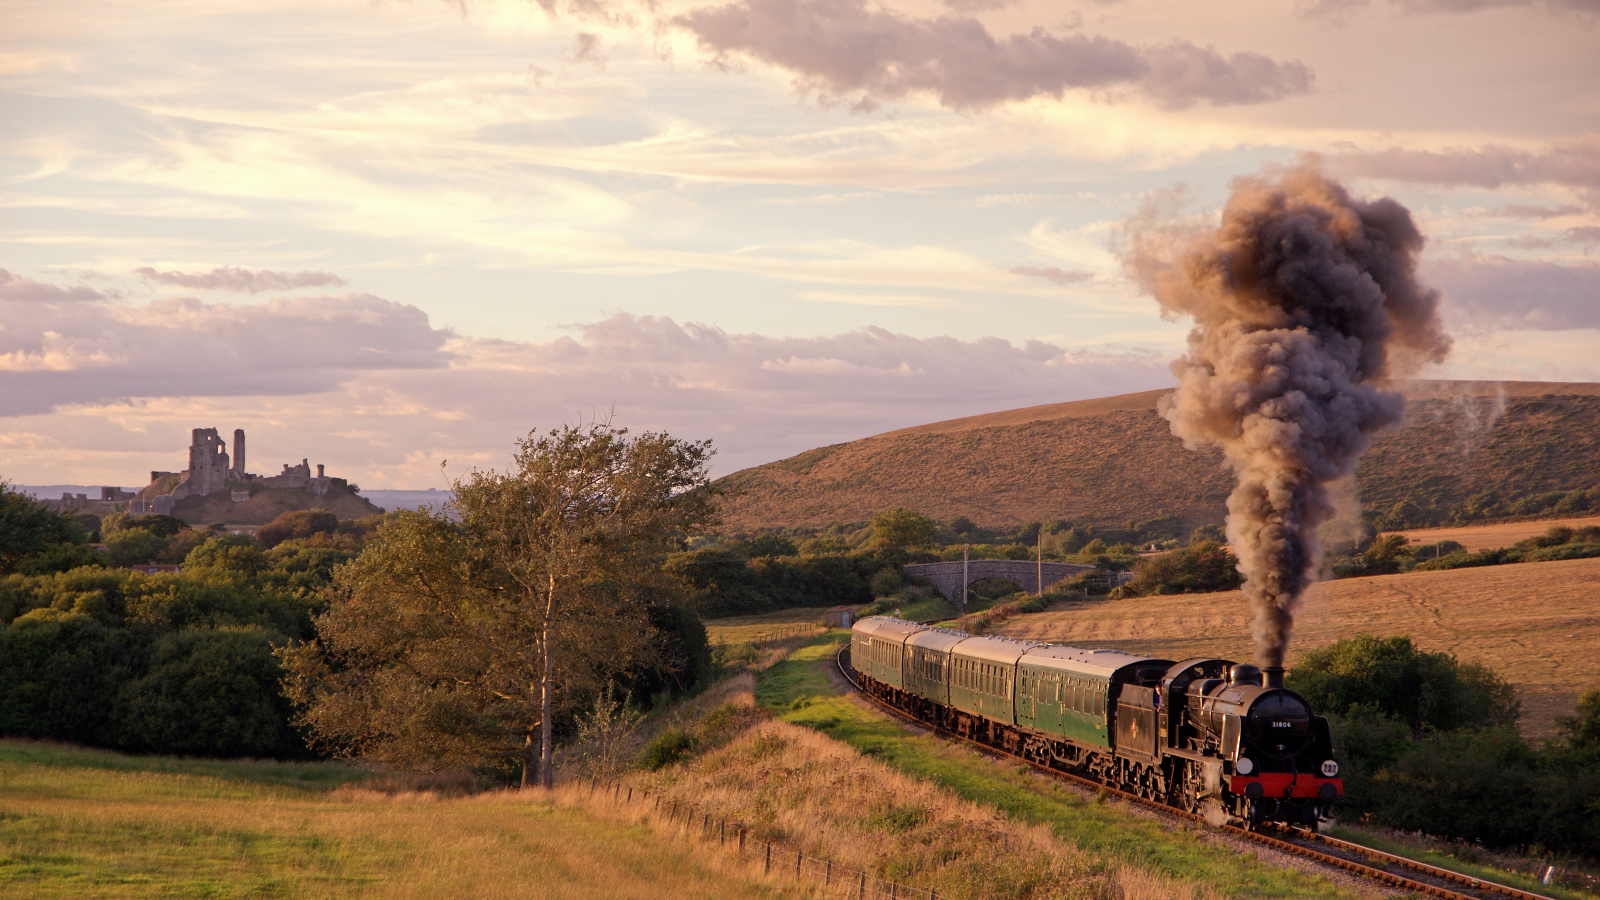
(231,278)
(1053,274)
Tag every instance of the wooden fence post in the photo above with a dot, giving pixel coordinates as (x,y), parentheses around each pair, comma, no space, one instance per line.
(862,893)
(769,858)
(827,877)
(798,857)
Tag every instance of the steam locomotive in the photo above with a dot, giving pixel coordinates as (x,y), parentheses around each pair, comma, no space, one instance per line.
(1210,736)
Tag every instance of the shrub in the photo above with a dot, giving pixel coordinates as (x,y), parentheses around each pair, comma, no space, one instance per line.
(228,553)
(59,673)
(299,523)
(1426,691)
(886,581)
(901,527)
(1582,731)
(670,746)
(133,546)
(209,693)
(166,526)
(1203,568)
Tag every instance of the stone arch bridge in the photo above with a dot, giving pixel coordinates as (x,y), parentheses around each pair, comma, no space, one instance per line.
(953,578)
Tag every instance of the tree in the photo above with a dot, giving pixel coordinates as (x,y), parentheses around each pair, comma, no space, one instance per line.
(1582,731)
(298,523)
(1426,691)
(28,528)
(900,527)
(1202,568)
(459,636)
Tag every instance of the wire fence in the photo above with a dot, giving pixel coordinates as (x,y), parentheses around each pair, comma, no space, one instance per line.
(769,634)
(775,859)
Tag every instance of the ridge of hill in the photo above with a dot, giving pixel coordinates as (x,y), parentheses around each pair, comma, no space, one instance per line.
(1114,459)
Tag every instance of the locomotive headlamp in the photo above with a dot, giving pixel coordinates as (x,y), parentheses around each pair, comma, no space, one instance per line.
(1244,766)
(1329,768)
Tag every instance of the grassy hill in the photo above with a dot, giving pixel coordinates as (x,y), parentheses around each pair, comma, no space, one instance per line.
(265,505)
(1111,460)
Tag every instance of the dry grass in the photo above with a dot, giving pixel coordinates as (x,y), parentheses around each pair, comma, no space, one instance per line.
(744,629)
(1492,537)
(796,787)
(1110,460)
(1537,624)
(71,829)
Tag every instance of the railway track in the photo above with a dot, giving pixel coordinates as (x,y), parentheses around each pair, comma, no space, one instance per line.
(1354,858)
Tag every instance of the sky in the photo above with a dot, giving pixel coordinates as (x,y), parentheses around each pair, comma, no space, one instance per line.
(393,237)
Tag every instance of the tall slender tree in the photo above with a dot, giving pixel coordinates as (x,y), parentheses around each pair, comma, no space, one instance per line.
(461,635)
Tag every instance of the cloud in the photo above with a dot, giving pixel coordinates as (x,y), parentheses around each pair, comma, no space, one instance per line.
(230,278)
(844,51)
(1499,292)
(765,397)
(1530,211)
(1581,235)
(1342,10)
(369,385)
(1053,274)
(1573,164)
(62,347)
(14,289)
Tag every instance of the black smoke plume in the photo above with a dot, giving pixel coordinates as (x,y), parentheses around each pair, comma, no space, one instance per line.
(1305,301)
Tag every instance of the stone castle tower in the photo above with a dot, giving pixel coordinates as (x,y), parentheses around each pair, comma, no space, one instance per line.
(208,461)
(238,454)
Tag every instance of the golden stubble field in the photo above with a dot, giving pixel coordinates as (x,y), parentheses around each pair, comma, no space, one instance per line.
(1537,624)
(1492,537)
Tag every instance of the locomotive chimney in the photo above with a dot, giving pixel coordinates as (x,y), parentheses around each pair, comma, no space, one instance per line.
(1274,676)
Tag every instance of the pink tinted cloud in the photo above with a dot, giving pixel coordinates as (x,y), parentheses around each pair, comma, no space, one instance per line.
(1496,291)
(359,363)
(61,348)
(230,278)
(846,51)
(1573,164)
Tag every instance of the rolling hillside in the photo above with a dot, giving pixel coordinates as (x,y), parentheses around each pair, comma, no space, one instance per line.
(1110,460)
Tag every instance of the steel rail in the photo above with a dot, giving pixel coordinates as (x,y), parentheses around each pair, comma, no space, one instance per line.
(1372,872)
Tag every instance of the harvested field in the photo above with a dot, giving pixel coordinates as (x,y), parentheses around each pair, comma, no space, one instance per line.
(1492,537)
(1537,624)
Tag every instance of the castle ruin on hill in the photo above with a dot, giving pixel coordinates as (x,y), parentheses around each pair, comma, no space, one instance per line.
(211,471)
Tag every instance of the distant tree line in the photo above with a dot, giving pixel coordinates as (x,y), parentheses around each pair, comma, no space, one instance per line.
(1427,743)
(1389,554)
(1489,506)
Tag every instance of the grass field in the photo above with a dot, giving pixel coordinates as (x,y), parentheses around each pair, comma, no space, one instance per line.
(1492,537)
(742,629)
(79,823)
(1537,624)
